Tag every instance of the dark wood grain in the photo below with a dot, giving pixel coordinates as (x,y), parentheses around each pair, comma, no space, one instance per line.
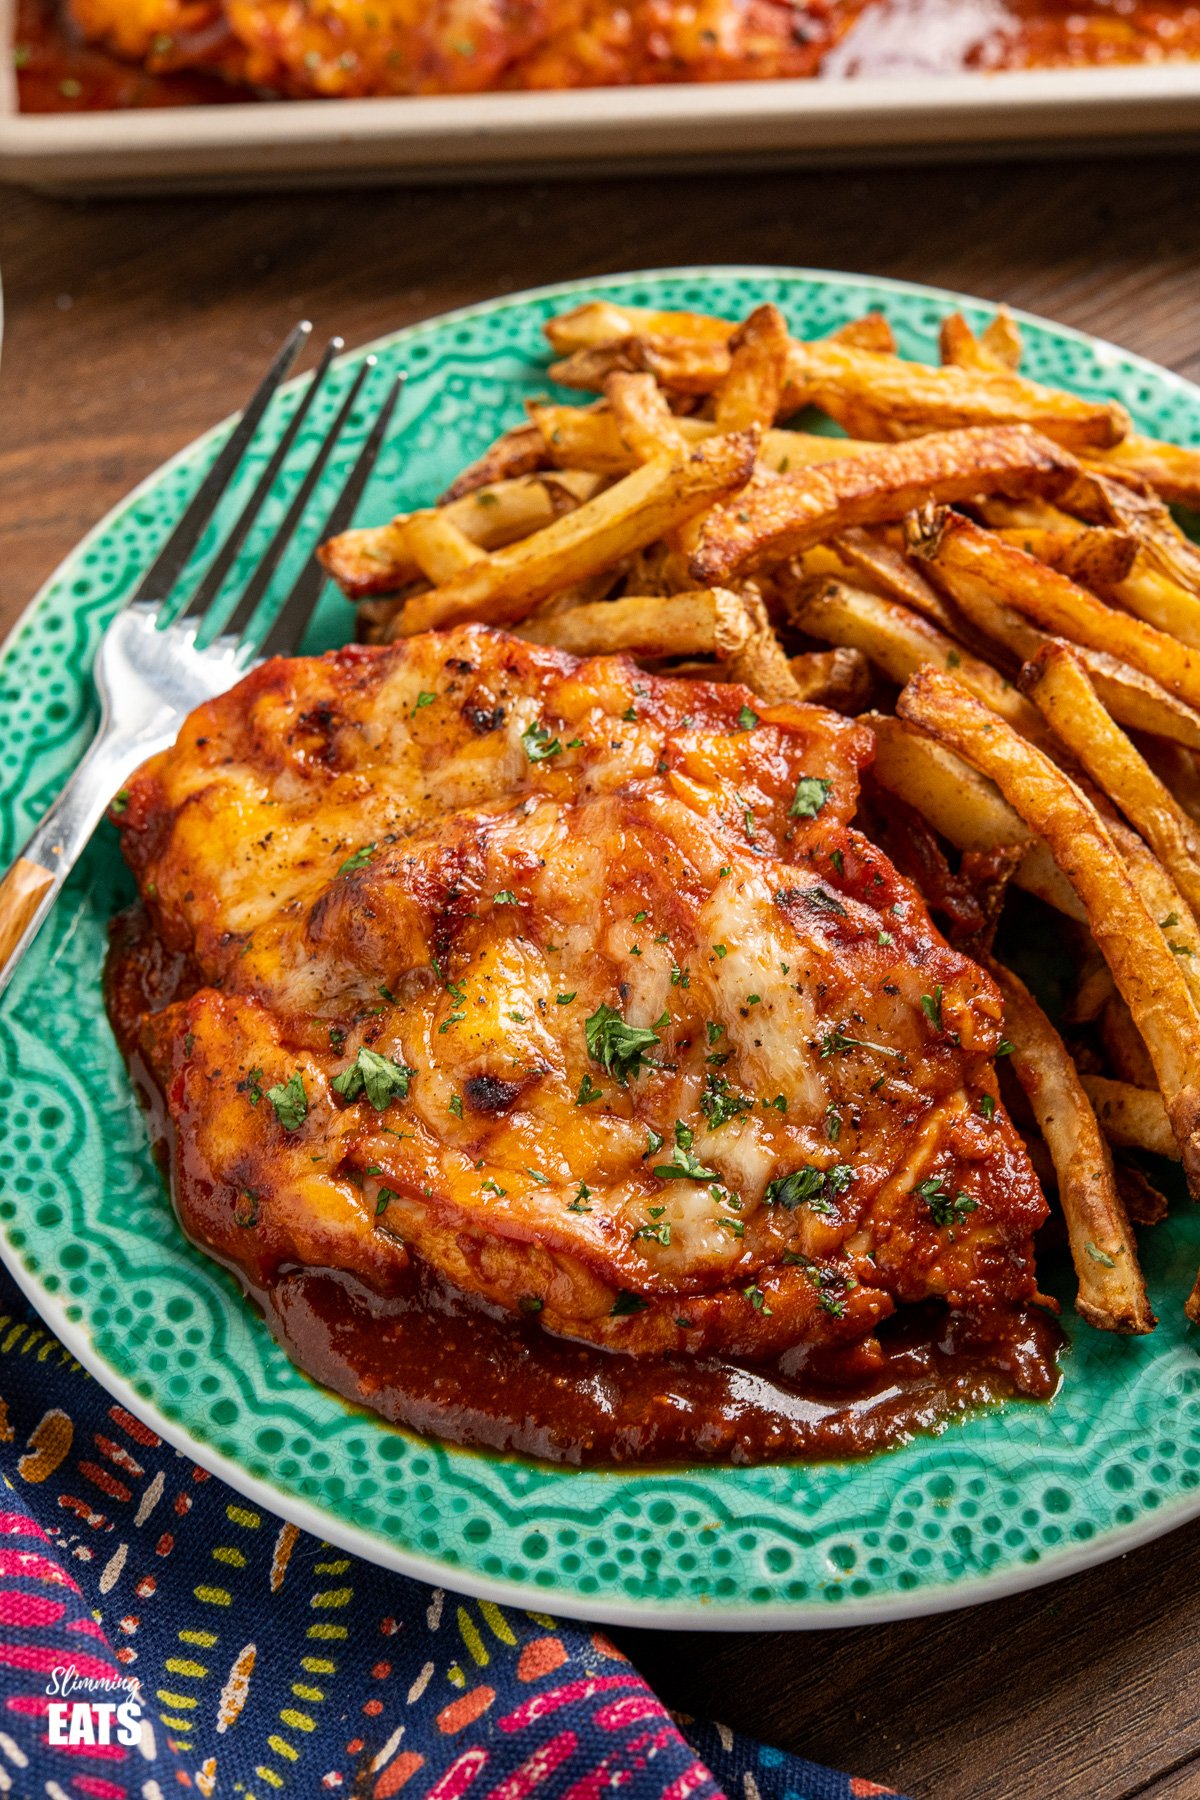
(133,325)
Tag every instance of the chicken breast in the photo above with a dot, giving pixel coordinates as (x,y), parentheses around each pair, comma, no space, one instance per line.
(573,983)
(359,47)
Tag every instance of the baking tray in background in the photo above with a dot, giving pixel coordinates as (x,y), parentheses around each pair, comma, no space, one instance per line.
(303,143)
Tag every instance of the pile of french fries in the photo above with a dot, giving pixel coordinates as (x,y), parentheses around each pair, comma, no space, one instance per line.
(985,571)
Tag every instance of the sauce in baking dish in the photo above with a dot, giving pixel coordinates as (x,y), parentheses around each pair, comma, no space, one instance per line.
(58,72)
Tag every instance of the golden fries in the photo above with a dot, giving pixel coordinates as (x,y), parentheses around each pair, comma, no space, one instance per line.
(1112,1294)
(901,642)
(973,563)
(662,494)
(1067,700)
(381,559)
(1143,968)
(711,622)
(777,517)
(1131,1116)
(964,807)
(1045,635)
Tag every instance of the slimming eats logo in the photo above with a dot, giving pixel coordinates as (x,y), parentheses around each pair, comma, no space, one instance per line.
(104,1721)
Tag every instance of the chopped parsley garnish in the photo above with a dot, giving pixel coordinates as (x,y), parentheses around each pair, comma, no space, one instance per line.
(719,1103)
(885,938)
(245,1211)
(713,1030)
(931,1006)
(987,1106)
(423,699)
(823,900)
(620,1049)
(833,1123)
(838,860)
(747,719)
(630,715)
(358,861)
(686,1166)
(628,1303)
(735,1227)
(588,1092)
(944,1210)
(455,1105)
(121,804)
(382,1080)
(254,1086)
(580,1203)
(531,1303)
(812,791)
(659,1233)
(1099,1256)
(721,950)
(564,999)
(809,1186)
(1172,918)
(679,977)
(290,1102)
(381,1201)
(505,897)
(493,1187)
(539,745)
(536,1175)
(757,1299)
(1005,1047)
(654,1142)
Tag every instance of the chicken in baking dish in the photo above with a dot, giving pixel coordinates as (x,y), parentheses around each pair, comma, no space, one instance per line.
(573,987)
(348,47)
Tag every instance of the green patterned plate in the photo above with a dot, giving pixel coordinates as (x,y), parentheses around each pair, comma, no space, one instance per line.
(1006,1499)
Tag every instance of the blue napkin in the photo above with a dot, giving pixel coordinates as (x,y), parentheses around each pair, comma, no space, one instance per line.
(159,1634)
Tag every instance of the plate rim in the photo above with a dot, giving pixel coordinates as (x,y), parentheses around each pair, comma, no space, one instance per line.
(375,1548)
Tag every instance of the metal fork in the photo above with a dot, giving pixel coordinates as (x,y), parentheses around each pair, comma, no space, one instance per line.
(150,671)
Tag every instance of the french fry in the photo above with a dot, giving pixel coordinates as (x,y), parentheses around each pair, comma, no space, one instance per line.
(1144,1203)
(1134,507)
(599,321)
(644,420)
(1157,598)
(914,398)
(637,510)
(892,573)
(998,347)
(870,332)
(777,517)
(439,547)
(964,806)
(710,622)
(1112,1294)
(1124,1045)
(1173,470)
(1060,689)
(380,559)
(1146,974)
(973,563)
(583,437)
(1133,1117)
(515,453)
(751,392)
(1098,556)
(837,678)
(899,642)
(761,663)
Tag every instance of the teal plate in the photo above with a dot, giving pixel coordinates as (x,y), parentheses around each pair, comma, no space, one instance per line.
(1005,1499)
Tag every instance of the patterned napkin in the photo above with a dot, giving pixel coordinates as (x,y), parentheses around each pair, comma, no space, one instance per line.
(158,1634)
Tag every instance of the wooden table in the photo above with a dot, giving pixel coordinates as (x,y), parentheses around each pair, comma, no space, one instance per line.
(134,324)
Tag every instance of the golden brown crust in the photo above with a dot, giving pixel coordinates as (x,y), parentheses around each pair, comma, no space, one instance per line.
(453,854)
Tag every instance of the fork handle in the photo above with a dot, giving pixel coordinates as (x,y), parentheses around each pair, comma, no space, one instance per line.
(28,890)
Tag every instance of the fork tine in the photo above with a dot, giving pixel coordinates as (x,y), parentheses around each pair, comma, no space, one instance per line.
(288,626)
(168,565)
(258,583)
(214,577)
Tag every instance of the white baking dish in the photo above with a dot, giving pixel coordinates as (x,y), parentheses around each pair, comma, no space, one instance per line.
(292,142)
